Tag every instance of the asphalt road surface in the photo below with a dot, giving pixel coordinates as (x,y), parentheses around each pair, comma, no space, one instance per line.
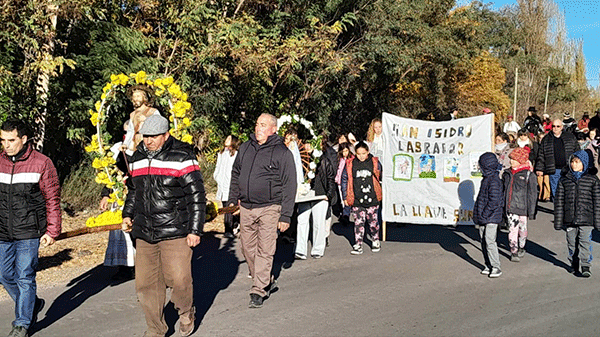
(424,282)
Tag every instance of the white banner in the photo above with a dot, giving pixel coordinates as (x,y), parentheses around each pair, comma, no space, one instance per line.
(430,169)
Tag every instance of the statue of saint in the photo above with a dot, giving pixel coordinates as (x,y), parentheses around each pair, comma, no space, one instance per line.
(143,107)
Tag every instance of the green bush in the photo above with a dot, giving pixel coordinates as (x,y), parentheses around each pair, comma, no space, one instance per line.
(80,190)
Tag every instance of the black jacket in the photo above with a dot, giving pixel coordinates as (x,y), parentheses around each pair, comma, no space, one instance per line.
(166,197)
(520,193)
(29,196)
(577,202)
(264,175)
(489,204)
(545,159)
(324,181)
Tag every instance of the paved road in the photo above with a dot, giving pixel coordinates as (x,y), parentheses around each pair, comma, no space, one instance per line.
(424,282)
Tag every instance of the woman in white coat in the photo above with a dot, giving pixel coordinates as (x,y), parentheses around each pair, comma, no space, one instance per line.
(222,176)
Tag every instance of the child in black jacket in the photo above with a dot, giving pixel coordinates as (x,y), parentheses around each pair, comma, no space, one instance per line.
(520,199)
(577,209)
(487,212)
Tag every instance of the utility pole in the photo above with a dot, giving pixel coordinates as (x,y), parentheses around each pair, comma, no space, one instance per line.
(546,100)
(515,97)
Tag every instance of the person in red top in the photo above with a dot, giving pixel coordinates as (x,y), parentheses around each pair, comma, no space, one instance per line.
(30,215)
(582,125)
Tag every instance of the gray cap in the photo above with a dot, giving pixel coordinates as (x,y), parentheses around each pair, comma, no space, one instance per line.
(154,125)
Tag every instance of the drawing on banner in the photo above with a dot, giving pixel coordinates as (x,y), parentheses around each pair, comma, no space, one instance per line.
(403,167)
(427,166)
(451,170)
(474,164)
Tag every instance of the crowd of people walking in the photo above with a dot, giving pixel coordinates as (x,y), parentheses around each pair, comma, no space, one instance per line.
(543,160)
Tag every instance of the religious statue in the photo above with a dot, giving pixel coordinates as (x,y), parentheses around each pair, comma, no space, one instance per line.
(143,101)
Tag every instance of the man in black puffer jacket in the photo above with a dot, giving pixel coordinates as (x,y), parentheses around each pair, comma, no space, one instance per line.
(263,183)
(555,149)
(167,203)
(577,209)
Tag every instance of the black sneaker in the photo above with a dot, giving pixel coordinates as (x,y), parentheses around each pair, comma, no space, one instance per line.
(256,301)
(585,272)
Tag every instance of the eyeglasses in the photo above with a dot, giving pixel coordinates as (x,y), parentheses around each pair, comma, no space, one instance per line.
(557,126)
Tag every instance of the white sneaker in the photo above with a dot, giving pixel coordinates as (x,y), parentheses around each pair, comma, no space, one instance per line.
(299,256)
(356,250)
(485,271)
(496,272)
(376,246)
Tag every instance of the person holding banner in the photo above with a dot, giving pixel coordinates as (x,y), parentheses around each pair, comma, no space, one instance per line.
(361,189)
(375,138)
(487,213)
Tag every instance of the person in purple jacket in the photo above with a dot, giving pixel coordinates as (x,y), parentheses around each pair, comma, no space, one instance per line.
(487,212)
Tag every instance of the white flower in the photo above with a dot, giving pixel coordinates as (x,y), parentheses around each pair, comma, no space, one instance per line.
(311,174)
(316,153)
(283,119)
(312,166)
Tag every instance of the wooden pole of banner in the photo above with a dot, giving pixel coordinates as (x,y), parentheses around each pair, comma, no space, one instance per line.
(493,133)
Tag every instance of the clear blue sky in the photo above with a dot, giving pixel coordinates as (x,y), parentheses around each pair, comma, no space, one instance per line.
(582,18)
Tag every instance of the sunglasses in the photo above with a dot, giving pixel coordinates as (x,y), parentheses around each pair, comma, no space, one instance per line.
(557,126)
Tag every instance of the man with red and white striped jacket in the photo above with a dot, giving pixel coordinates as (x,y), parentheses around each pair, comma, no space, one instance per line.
(166,205)
(30,215)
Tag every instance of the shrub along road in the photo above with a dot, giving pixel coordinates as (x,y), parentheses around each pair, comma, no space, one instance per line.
(424,282)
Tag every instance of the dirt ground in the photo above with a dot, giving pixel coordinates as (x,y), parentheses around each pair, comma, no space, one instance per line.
(69,258)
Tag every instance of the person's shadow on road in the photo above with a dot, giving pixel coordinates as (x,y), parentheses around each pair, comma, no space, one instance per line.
(82,288)
(214,267)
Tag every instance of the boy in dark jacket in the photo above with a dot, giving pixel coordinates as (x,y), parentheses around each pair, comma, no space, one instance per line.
(577,209)
(520,200)
(487,212)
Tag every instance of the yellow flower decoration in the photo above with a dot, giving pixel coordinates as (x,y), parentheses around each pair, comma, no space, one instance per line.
(140,77)
(178,111)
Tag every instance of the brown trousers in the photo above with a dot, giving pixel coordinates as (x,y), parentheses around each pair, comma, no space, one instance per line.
(158,266)
(544,184)
(258,232)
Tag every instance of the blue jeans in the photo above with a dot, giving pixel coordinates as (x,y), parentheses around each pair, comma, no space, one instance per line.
(18,260)
(554,178)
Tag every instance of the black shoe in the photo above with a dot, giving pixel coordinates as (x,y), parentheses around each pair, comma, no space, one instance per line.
(124,274)
(585,272)
(256,301)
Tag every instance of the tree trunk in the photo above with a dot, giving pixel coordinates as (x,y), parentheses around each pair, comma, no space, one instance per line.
(43,78)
